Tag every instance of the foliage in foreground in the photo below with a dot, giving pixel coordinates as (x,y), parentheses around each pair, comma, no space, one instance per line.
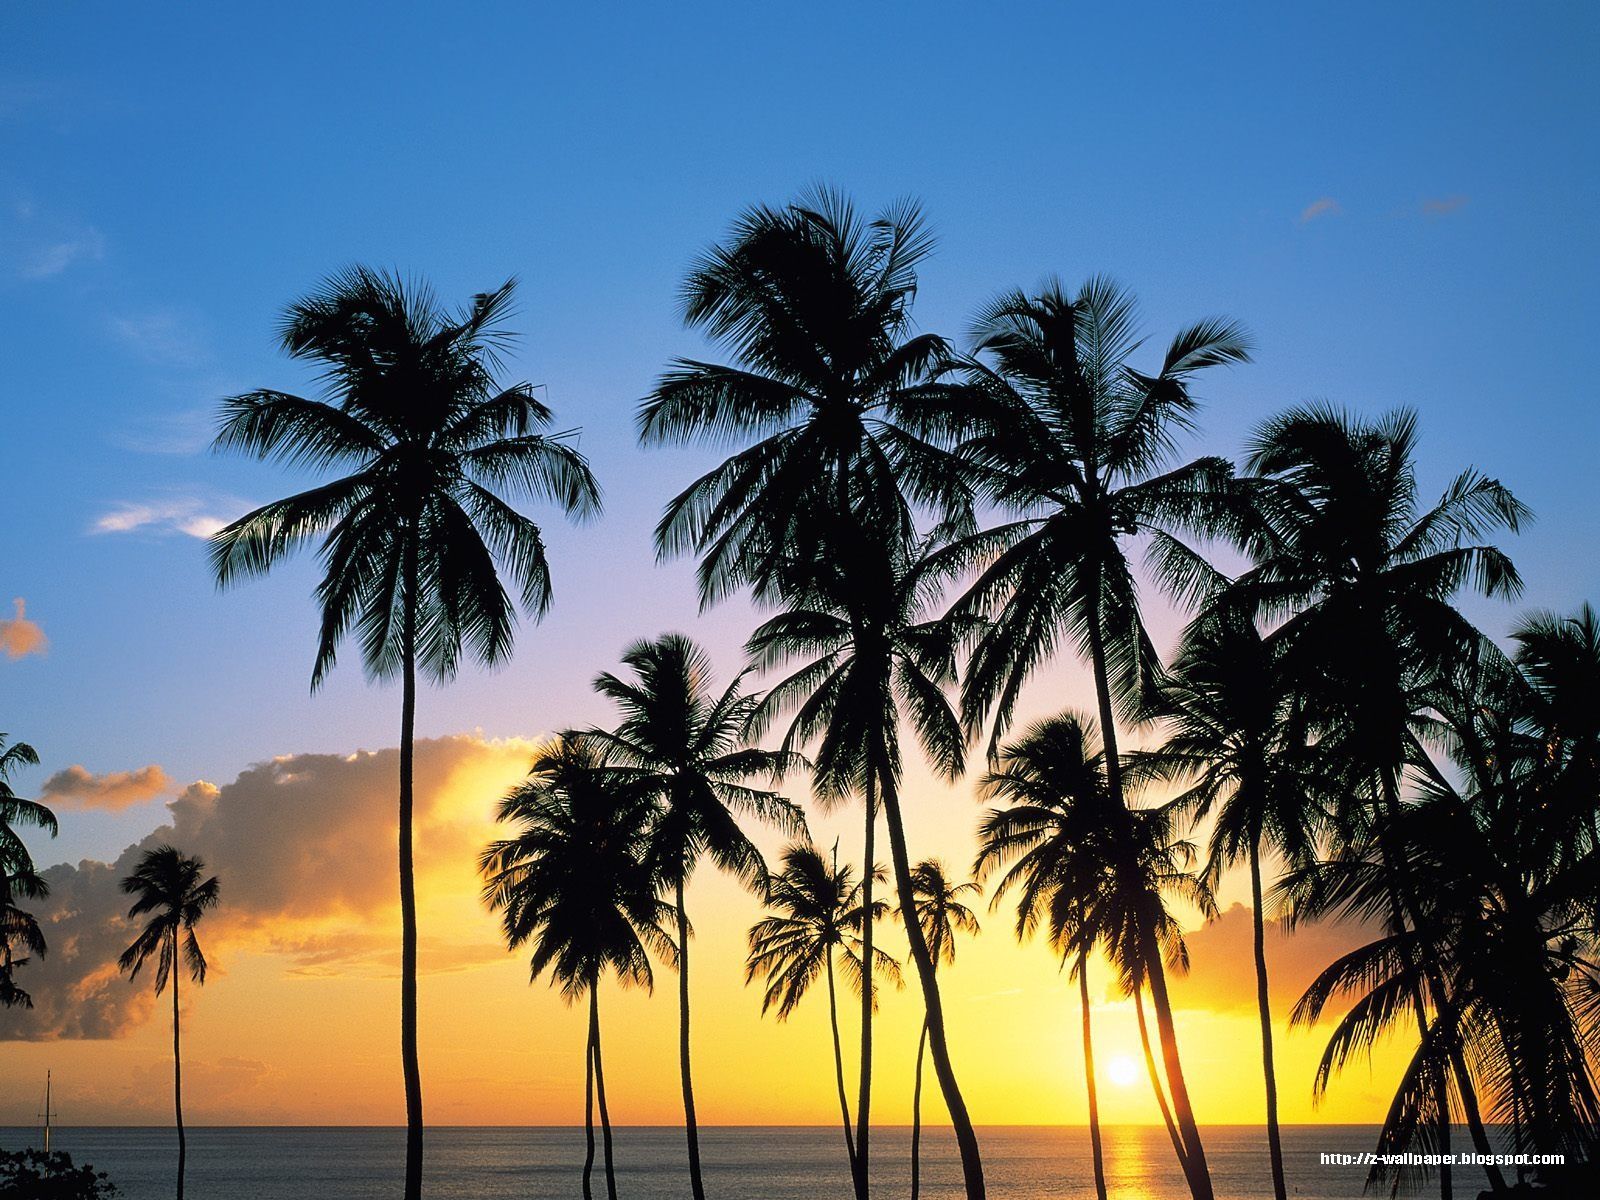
(34,1175)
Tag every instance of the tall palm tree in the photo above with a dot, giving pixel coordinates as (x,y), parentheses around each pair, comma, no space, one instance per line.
(815,915)
(169,887)
(942,912)
(827,388)
(682,743)
(574,882)
(1078,446)
(1347,556)
(865,655)
(1234,733)
(17,876)
(1092,871)
(415,532)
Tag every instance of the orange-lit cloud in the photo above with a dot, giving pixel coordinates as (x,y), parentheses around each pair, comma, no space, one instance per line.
(1327,206)
(304,847)
(18,635)
(1443,206)
(79,788)
(1222,956)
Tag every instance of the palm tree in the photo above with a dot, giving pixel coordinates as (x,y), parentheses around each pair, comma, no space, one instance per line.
(415,533)
(1233,731)
(573,881)
(1078,445)
(1091,870)
(682,743)
(18,929)
(816,914)
(942,913)
(17,875)
(1346,556)
(169,887)
(864,656)
(814,304)
(14,810)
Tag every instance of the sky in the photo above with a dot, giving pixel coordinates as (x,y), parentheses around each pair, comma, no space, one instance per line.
(1397,200)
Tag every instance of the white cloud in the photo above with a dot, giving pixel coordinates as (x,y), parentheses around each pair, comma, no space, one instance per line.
(50,260)
(193,516)
(163,337)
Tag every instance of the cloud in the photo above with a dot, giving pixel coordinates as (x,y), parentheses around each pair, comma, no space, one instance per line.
(1327,206)
(1222,957)
(50,260)
(1443,206)
(190,515)
(20,637)
(163,337)
(77,788)
(304,847)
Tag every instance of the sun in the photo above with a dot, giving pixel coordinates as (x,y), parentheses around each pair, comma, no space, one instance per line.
(1122,1071)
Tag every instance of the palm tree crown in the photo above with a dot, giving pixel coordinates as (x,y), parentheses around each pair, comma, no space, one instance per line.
(169,887)
(414,532)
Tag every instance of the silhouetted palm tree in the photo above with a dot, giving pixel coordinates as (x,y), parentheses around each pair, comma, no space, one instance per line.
(1092,870)
(18,929)
(682,743)
(869,657)
(942,913)
(17,876)
(415,534)
(815,912)
(814,304)
(169,887)
(1347,557)
(1235,734)
(574,882)
(14,810)
(1079,445)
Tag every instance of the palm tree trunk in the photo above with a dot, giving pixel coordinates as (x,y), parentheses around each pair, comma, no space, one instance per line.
(690,1125)
(916,1115)
(966,1137)
(408,885)
(177,1068)
(1182,1110)
(588,1109)
(860,1173)
(1155,1081)
(838,1067)
(1089,1080)
(1269,1073)
(1194,1155)
(1400,901)
(600,1088)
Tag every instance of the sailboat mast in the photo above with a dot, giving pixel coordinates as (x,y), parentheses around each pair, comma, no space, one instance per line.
(47,1112)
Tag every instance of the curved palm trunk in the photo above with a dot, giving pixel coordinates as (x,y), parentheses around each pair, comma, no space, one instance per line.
(588,1109)
(1399,903)
(860,1173)
(838,1067)
(177,1068)
(409,1064)
(1194,1154)
(1155,1080)
(966,1137)
(690,1125)
(1269,1073)
(1089,1080)
(600,1090)
(916,1114)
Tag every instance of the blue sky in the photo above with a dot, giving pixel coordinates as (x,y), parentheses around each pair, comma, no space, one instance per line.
(1399,200)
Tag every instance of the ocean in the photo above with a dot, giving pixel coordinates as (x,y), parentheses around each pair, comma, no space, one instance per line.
(779,1163)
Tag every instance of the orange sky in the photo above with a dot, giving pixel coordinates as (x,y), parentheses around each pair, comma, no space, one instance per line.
(298,1021)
